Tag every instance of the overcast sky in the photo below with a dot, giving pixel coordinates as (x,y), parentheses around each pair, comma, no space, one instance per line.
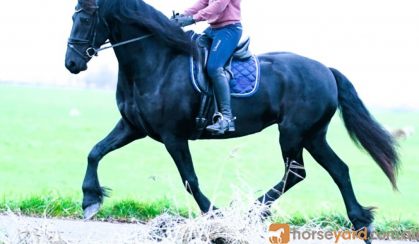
(375,42)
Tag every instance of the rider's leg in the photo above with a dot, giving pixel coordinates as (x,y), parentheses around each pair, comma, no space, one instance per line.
(222,95)
(225,40)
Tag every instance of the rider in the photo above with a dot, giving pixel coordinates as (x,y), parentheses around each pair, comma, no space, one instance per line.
(225,31)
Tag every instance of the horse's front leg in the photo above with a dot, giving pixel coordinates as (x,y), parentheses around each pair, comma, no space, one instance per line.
(93,193)
(179,150)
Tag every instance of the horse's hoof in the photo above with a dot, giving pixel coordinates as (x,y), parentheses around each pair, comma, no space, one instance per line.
(370,228)
(219,240)
(262,214)
(91,211)
(265,214)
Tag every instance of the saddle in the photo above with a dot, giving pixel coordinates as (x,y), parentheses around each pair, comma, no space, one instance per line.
(243,68)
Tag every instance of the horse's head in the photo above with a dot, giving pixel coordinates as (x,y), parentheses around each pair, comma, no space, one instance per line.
(89,32)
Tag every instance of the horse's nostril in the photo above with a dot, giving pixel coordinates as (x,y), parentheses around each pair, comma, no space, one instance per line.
(70,64)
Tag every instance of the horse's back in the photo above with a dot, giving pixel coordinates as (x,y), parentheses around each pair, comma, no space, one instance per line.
(304,87)
(298,68)
(293,90)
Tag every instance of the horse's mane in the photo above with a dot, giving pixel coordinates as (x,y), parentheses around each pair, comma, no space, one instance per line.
(139,13)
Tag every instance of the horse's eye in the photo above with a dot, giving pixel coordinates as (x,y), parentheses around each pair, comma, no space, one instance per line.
(85,20)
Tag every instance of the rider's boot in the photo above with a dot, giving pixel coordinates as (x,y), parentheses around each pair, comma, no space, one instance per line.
(222,94)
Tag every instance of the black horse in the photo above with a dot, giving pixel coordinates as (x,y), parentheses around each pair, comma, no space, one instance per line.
(156,98)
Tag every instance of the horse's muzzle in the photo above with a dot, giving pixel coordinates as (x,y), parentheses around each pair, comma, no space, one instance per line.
(75,66)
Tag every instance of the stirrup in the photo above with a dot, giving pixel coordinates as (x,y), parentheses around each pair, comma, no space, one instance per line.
(217,116)
(221,125)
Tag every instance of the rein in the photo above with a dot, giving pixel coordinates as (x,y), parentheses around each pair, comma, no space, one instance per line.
(91,51)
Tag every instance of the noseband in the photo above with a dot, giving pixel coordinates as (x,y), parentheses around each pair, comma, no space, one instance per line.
(91,50)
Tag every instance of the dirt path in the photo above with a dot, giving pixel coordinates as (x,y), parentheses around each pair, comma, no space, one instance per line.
(22,229)
(15,229)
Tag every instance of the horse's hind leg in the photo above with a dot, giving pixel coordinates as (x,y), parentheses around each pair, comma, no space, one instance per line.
(292,153)
(93,193)
(339,171)
(179,150)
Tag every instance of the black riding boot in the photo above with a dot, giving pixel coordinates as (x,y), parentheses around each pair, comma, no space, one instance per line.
(222,94)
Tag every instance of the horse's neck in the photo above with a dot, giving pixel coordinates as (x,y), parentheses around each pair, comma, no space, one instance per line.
(142,59)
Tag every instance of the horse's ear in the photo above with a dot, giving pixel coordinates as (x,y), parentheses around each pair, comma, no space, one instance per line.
(87,2)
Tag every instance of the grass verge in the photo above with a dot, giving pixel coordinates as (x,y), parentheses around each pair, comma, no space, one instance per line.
(337,221)
(57,206)
(134,211)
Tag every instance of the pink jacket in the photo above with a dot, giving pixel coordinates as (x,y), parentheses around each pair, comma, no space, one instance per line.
(218,13)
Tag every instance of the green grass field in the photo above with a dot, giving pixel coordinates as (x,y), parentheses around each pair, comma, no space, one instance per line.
(43,150)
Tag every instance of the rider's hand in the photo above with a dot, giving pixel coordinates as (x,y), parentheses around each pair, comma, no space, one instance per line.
(183,20)
(175,15)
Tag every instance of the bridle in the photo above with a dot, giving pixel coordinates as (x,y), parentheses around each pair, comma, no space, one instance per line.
(72,42)
(91,50)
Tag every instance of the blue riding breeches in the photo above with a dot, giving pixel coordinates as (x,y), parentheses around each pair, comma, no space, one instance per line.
(224,41)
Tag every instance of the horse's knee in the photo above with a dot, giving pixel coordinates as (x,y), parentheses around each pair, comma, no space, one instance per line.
(95,155)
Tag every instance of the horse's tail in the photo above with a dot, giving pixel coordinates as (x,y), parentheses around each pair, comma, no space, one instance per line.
(365,130)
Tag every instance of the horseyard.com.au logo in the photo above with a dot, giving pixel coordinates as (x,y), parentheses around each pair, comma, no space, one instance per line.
(283,234)
(279,233)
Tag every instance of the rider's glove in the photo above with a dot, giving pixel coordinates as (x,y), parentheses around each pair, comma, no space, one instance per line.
(183,20)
